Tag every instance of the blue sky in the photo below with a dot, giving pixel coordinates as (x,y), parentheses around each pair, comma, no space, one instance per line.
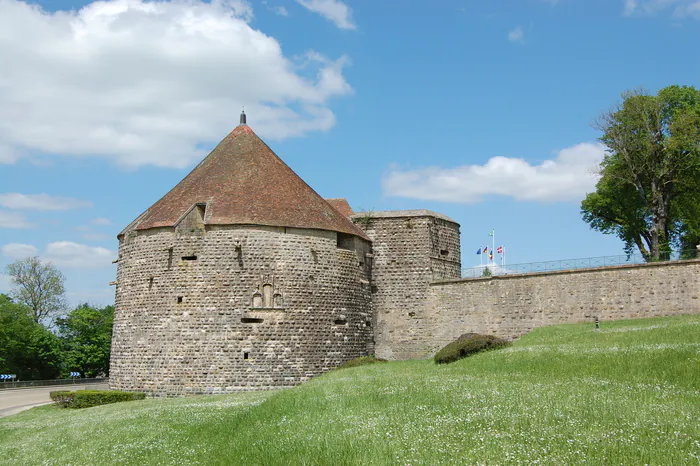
(480,110)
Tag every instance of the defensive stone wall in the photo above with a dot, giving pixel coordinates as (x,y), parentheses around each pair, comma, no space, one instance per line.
(411,249)
(511,305)
(226,308)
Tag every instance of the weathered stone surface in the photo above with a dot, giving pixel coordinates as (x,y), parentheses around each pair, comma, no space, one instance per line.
(511,305)
(411,249)
(233,308)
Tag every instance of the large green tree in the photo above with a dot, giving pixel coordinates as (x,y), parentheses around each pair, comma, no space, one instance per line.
(649,191)
(39,286)
(87,336)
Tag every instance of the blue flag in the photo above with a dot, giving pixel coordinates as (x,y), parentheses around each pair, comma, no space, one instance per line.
(479,251)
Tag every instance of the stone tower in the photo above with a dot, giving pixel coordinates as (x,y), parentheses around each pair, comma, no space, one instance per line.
(241,277)
(411,249)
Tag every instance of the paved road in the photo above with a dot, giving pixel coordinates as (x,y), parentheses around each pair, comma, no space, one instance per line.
(15,400)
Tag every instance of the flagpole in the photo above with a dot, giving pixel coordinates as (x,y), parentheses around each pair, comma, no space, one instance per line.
(493,244)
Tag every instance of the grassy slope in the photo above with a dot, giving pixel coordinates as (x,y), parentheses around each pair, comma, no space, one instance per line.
(628,394)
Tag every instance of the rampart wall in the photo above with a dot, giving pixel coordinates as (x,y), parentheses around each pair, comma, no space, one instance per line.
(511,305)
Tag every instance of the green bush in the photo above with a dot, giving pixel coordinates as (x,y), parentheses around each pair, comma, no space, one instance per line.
(62,398)
(361,361)
(88,398)
(467,345)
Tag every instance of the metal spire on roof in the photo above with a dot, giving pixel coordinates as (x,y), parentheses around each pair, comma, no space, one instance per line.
(243,119)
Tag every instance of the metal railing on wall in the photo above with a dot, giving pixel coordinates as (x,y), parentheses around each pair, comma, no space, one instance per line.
(49,383)
(566,264)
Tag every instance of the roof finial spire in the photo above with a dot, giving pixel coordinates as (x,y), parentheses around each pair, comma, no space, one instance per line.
(243,119)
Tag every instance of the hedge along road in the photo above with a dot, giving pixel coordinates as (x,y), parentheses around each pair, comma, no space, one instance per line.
(13,401)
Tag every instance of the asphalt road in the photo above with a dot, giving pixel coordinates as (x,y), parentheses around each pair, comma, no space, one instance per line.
(13,401)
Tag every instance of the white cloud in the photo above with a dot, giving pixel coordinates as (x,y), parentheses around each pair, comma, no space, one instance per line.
(78,256)
(278,10)
(568,177)
(19,251)
(13,220)
(151,82)
(63,254)
(333,10)
(100,221)
(517,35)
(679,8)
(40,202)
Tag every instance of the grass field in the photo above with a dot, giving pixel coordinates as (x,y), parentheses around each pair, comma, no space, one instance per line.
(627,394)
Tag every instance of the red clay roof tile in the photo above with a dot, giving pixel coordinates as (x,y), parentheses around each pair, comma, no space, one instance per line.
(243,182)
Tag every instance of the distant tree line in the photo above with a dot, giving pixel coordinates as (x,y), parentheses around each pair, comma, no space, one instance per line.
(40,338)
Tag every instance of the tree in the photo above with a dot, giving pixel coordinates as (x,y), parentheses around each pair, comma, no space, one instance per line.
(87,335)
(39,286)
(649,191)
(27,348)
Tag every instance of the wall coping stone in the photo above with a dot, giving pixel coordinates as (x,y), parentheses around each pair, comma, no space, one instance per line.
(402,214)
(568,271)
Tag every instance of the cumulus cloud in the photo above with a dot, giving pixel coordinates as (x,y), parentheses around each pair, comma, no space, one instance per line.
(13,220)
(40,202)
(567,177)
(517,35)
(18,250)
(78,256)
(679,8)
(151,82)
(63,254)
(333,10)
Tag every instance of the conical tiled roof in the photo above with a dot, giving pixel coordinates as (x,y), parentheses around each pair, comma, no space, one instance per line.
(242,182)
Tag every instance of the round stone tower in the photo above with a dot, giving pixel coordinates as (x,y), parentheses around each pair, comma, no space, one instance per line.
(241,277)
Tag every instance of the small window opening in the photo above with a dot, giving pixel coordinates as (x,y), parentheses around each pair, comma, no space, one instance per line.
(444,252)
(150,283)
(345,241)
(251,320)
(189,258)
(179,299)
(368,323)
(340,322)
(170,258)
(245,355)
(411,314)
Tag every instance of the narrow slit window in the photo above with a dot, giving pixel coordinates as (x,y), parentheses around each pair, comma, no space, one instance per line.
(245,355)
(170,258)
(150,283)
(251,320)
(180,299)
(189,258)
(340,321)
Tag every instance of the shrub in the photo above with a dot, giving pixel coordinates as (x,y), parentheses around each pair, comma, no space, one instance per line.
(88,398)
(62,398)
(467,345)
(361,361)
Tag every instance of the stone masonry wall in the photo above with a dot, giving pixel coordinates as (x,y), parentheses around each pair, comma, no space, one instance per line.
(235,308)
(511,305)
(410,250)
